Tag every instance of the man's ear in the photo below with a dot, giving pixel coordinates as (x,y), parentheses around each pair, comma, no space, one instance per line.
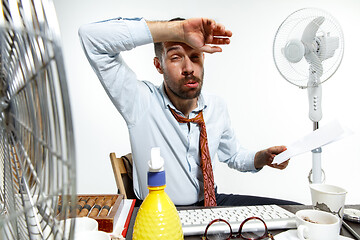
(157,64)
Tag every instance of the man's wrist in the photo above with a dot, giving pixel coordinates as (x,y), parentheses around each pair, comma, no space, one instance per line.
(257,161)
(163,31)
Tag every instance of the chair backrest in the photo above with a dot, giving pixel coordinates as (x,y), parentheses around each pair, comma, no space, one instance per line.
(122,168)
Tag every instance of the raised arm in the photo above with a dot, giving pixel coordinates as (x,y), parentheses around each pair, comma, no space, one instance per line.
(199,33)
(103,42)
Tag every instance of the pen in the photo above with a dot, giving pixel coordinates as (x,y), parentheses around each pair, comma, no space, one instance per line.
(106,208)
(90,203)
(97,207)
(352,231)
(59,207)
(80,205)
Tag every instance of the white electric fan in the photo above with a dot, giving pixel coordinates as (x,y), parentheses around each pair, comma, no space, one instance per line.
(37,157)
(307,50)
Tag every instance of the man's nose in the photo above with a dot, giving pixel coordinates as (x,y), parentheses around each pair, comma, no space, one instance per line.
(188,67)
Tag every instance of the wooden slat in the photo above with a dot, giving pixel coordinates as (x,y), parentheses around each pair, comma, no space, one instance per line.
(118,168)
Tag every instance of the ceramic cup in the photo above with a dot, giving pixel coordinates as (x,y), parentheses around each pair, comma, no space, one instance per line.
(82,224)
(92,235)
(317,225)
(328,198)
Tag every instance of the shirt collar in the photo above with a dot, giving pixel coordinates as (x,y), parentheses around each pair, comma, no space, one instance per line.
(201,103)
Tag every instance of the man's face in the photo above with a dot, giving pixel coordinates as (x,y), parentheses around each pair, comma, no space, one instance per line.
(183,69)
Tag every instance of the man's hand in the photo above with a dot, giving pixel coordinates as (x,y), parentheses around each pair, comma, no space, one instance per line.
(198,33)
(265,157)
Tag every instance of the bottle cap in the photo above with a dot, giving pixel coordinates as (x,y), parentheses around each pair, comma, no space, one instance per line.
(156,174)
(156,179)
(156,163)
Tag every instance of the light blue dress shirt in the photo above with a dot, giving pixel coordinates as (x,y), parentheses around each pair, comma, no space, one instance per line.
(145,108)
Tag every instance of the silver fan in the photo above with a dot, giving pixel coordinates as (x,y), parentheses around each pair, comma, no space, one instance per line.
(308,49)
(36,140)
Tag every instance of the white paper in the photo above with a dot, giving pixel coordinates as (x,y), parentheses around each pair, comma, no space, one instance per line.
(326,134)
(119,227)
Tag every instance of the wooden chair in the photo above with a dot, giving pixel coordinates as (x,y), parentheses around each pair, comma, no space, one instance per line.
(122,168)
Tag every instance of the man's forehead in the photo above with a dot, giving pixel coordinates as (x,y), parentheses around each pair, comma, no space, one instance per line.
(179,46)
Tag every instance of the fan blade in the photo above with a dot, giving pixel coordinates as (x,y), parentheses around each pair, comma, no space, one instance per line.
(315,63)
(310,31)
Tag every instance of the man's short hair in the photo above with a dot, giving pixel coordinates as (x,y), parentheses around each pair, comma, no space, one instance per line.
(159,46)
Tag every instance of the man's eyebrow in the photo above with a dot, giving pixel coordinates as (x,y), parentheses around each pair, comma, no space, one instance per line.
(172,48)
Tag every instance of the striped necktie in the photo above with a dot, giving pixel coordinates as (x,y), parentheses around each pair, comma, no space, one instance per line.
(209,190)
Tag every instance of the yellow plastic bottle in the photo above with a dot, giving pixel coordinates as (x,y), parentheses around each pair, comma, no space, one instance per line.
(157,217)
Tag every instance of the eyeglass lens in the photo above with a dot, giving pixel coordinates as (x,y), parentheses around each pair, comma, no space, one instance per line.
(218,229)
(253,228)
(250,229)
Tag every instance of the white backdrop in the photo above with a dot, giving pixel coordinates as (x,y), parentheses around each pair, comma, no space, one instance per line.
(265,109)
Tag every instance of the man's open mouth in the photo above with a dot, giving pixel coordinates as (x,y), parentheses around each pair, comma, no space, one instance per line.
(192,84)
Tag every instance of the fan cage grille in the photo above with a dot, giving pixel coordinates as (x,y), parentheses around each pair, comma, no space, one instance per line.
(37,146)
(292,28)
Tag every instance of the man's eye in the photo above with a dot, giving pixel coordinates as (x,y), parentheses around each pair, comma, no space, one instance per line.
(175,57)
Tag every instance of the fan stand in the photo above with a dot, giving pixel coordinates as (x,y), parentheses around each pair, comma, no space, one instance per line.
(315,115)
(316,171)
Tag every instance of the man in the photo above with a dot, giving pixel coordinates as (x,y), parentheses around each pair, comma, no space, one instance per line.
(155,114)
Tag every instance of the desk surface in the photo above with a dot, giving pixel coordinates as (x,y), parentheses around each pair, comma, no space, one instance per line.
(291,208)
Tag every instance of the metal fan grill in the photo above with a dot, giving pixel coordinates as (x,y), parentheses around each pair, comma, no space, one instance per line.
(292,28)
(36,140)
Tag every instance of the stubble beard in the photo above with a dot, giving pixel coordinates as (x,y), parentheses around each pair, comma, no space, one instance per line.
(180,90)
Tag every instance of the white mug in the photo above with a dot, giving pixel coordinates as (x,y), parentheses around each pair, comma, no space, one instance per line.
(329,198)
(317,225)
(92,235)
(82,224)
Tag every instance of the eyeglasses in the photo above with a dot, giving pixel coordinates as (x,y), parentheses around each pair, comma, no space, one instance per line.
(257,226)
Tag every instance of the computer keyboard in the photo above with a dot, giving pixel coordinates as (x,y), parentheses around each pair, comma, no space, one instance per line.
(194,221)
